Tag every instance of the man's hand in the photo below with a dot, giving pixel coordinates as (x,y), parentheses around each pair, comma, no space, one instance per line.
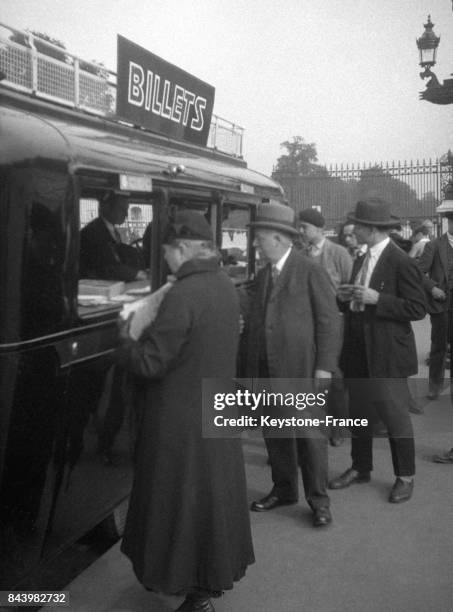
(322,380)
(438,294)
(141,275)
(344,292)
(365,295)
(123,327)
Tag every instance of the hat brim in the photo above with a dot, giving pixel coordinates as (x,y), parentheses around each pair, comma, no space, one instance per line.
(393,222)
(281,227)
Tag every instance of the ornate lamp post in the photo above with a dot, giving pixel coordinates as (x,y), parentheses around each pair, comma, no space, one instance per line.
(447,203)
(427,45)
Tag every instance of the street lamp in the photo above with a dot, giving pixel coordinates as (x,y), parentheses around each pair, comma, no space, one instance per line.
(427,45)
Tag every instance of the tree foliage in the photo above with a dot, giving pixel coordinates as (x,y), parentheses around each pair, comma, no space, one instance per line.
(299,160)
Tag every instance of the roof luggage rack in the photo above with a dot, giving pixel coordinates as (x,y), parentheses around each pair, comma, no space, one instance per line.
(33,65)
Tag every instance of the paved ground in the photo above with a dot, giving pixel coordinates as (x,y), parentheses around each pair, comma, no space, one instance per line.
(375,557)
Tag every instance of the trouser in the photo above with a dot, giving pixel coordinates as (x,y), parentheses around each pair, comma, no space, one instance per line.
(371,398)
(310,454)
(440,335)
(336,402)
(389,401)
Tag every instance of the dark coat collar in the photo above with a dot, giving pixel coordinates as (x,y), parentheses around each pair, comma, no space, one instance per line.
(197,266)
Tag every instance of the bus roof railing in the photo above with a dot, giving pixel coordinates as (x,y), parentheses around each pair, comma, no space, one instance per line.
(36,66)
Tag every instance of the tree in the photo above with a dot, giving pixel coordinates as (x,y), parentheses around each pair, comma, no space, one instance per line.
(376,181)
(298,161)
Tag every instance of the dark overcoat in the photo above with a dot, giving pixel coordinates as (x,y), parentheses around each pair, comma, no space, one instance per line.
(188,523)
(434,265)
(301,322)
(389,338)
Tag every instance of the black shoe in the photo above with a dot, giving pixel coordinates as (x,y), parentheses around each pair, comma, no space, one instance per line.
(445,458)
(415,408)
(433,395)
(401,491)
(321,517)
(336,441)
(348,478)
(194,603)
(270,502)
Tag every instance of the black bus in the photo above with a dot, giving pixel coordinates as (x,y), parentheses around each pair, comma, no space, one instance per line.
(56,165)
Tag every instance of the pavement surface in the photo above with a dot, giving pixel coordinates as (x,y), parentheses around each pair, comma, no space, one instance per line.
(375,557)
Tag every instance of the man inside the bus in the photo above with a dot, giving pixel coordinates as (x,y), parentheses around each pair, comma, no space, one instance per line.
(103,255)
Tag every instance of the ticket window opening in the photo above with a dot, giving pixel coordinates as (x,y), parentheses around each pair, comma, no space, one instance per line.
(115,251)
(235,241)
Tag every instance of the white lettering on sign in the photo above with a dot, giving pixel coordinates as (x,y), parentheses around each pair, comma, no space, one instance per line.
(172,103)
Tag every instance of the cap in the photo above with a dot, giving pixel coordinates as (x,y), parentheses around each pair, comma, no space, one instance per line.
(312,216)
(188,225)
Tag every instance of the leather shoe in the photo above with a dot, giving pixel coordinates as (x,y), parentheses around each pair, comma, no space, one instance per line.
(270,502)
(348,478)
(445,458)
(401,491)
(336,441)
(196,604)
(433,395)
(321,517)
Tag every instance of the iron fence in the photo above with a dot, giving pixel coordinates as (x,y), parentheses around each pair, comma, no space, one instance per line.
(415,188)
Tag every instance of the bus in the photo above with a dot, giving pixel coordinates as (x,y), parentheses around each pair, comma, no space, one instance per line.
(59,157)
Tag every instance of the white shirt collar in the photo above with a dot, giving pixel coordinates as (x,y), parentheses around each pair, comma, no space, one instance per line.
(376,250)
(281,262)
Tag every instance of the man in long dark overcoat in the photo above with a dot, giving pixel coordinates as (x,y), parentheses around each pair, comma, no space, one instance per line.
(187,530)
(292,331)
(379,346)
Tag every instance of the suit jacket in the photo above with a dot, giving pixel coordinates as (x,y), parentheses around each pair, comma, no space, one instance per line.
(337,262)
(434,265)
(389,339)
(101,257)
(301,326)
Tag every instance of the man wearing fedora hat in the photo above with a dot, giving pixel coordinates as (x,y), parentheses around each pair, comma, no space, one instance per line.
(292,332)
(379,346)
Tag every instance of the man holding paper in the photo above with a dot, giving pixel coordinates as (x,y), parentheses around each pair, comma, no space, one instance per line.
(188,529)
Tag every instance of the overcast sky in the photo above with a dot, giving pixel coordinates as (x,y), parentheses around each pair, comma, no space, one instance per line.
(341,73)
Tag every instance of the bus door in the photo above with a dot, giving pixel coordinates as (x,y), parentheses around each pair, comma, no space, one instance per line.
(97,430)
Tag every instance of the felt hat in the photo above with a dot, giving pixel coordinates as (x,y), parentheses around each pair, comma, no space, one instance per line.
(188,225)
(275,216)
(374,211)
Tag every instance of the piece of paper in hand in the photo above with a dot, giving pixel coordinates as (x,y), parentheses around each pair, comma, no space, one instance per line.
(145,311)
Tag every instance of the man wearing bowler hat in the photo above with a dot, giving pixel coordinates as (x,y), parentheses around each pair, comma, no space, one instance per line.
(292,332)
(379,346)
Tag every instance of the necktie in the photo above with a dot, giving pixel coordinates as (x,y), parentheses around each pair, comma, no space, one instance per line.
(360,280)
(117,235)
(275,272)
(364,269)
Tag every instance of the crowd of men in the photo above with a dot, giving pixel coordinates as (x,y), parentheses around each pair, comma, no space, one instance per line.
(338,316)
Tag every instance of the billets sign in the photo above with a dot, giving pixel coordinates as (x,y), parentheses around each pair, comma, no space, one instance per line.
(161,97)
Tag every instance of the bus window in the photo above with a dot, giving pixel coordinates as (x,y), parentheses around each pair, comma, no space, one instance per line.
(235,241)
(115,250)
